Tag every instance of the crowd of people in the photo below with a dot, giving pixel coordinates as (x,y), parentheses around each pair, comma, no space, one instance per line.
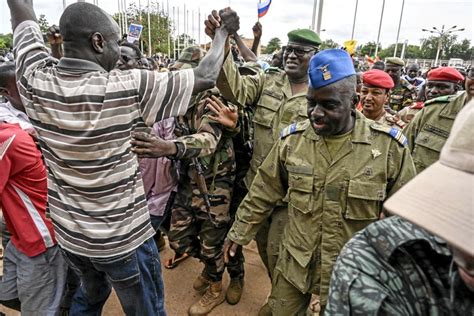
(356,186)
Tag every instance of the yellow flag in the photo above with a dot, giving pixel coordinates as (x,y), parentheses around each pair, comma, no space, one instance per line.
(350,46)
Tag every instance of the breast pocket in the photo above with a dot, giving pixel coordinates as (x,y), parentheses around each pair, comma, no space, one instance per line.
(430,141)
(364,200)
(301,191)
(267,108)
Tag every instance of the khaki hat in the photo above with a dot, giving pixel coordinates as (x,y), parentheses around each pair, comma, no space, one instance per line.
(395,61)
(441,198)
(189,58)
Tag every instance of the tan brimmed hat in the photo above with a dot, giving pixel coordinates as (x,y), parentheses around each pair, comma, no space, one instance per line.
(441,198)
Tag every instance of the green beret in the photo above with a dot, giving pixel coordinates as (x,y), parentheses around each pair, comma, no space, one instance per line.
(304,36)
(395,61)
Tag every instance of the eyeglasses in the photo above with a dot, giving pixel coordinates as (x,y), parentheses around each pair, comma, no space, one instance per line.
(298,51)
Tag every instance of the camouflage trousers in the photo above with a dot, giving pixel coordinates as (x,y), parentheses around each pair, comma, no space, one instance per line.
(268,238)
(192,232)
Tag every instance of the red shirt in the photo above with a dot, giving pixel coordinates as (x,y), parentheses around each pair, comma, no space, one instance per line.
(23,191)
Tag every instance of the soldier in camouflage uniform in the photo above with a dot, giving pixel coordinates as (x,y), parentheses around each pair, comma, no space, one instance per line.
(423,265)
(442,81)
(279,100)
(374,93)
(334,170)
(429,129)
(403,94)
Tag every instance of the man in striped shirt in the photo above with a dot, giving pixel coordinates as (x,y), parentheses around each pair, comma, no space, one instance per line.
(83,111)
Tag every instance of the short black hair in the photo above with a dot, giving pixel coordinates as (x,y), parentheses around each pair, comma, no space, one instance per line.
(380,65)
(134,47)
(7,73)
(81,19)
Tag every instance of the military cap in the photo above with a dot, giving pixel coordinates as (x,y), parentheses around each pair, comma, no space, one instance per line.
(304,36)
(329,66)
(189,57)
(395,61)
(377,78)
(445,74)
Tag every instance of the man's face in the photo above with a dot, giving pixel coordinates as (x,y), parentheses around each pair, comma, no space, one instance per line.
(111,52)
(469,84)
(412,72)
(436,89)
(373,99)
(329,110)
(394,71)
(296,59)
(128,58)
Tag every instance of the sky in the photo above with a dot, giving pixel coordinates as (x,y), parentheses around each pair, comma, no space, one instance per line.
(286,15)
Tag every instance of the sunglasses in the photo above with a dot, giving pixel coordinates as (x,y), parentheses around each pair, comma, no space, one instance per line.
(298,51)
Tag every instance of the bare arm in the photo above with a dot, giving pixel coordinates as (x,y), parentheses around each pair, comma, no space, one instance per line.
(208,70)
(246,53)
(20,11)
(257,35)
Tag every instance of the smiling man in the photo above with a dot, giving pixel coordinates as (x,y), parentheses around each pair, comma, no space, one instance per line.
(334,170)
(279,100)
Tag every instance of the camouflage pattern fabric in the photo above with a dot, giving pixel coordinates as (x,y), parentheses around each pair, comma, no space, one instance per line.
(329,199)
(191,231)
(275,108)
(430,128)
(391,120)
(396,268)
(401,96)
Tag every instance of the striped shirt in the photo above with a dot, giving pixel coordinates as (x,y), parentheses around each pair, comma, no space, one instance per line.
(83,116)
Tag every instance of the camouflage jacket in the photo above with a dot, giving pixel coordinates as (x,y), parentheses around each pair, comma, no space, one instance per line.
(275,106)
(396,268)
(401,96)
(328,199)
(430,128)
(391,120)
(199,136)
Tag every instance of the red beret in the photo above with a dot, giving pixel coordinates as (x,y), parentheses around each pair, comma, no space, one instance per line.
(445,74)
(377,78)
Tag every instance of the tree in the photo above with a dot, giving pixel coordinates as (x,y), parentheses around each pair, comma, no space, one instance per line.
(368,49)
(329,43)
(43,23)
(6,41)
(273,45)
(461,50)
(160,26)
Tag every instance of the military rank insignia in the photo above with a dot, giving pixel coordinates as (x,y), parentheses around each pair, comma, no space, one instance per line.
(326,73)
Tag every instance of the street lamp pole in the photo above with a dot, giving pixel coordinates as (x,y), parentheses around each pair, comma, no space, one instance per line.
(442,33)
(355,16)
(380,27)
(398,32)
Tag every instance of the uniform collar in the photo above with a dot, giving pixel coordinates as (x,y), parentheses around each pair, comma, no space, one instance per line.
(452,108)
(78,65)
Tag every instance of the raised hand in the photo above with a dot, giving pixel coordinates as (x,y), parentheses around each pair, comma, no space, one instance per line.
(53,35)
(225,115)
(257,30)
(229,20)
(212,23)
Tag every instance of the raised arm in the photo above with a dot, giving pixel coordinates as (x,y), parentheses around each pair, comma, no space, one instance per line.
(20,11)
(246,53)
(205,75)
(257,35)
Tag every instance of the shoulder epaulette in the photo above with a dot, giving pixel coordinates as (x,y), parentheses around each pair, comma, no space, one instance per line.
(394,132)
(442,99)
(292,128)
(273,70)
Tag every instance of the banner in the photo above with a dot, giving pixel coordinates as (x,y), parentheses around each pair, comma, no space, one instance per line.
(134,32)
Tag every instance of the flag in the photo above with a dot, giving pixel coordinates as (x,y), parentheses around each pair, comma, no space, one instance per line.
(263,7)
(350,46)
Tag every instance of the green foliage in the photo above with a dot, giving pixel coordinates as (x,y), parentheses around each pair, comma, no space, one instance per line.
(329,43)
(273,45)
(6,41)
(43,23)
(160,26)
(367,49)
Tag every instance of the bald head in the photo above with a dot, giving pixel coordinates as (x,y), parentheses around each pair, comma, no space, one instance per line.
(90,33)
(80,20)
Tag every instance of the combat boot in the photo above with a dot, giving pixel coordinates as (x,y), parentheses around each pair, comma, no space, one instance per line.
(234,291)
(211,298)
(201,283)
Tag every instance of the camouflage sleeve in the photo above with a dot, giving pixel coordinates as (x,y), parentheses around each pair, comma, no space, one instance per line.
(203,142)
(267,190)
(240,90)
(357,285)
(401,168)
